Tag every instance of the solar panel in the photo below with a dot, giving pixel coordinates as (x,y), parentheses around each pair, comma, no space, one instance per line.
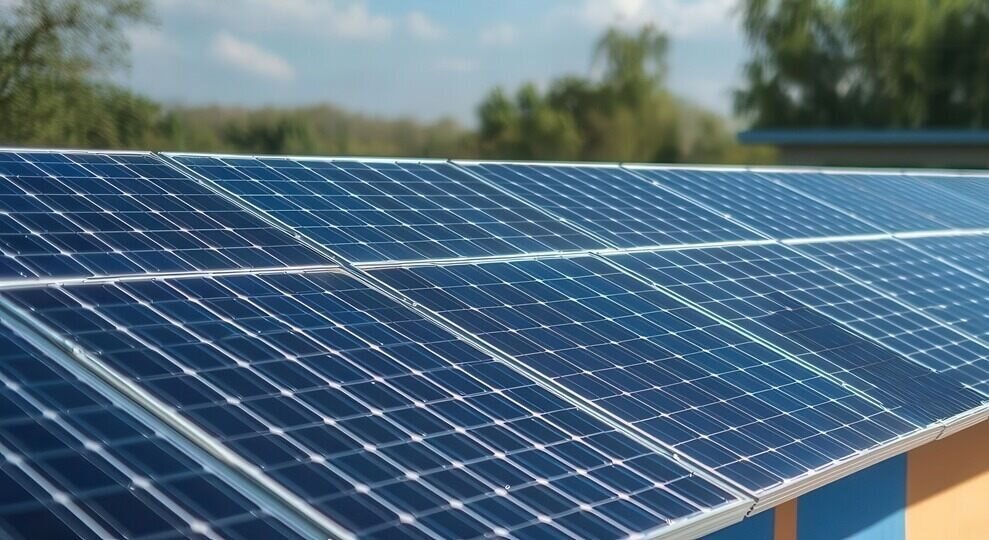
(941,296)
(381,420)
(371,211)
(751,414)
(973,188)
(894,203)
(968,252)
(613,204)
(611,374)
(777,295)
(760,202)
(80,214)
(78,466)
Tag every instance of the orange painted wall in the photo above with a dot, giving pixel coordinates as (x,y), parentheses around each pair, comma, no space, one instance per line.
(785,523)
(948,487)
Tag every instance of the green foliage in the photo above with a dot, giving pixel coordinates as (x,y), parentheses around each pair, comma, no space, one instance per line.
(56,55)
(51,52)
(869,63)
(625,115)
(322,130)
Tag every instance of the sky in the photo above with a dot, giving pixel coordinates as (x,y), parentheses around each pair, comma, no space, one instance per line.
(412,58)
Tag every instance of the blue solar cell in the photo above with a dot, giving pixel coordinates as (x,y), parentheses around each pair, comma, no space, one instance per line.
(970,253)
(974,189)
(76,214)
(760,202)
(758,287)
(614,204)
(895,203)
(947,303)
(753,415)
(77,466)
(394,210)
(381,420)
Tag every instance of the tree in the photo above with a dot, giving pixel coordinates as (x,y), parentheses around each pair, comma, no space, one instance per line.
(627,114)
(866,63)
(54,58)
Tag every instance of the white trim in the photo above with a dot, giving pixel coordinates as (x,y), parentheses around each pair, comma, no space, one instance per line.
(536,163)
(116,278)
(709,521)
(964,420)
(832,472)
(679,247)
(879,171)
(174,155)
(613,251)
(18,150)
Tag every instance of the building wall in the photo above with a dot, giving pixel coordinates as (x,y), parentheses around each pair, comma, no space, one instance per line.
(940,490)
(943,157)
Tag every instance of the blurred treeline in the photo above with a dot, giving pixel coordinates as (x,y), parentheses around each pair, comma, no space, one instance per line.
(814,63)
(56,58)
(866,63)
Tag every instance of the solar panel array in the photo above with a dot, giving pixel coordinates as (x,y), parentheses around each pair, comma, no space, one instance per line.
(235,346)
(79,466)
(84,214)
(748,412)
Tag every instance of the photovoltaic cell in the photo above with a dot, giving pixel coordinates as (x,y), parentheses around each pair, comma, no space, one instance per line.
(777,295)
(77,214)
(613,203)
(964,207)
(943,297)
(974,189)
(892,202)
(751,414)
(396,210)
(760,202)
(77,466)
(968,252)
(381,420)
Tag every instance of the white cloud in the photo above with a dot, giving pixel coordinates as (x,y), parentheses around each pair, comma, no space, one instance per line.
(499,35)
(250,58)
(342,19)
(148,40)
(456,65)
(422,27)
(681,18)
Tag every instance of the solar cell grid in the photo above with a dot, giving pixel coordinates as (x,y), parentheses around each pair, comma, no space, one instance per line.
(944,298)
(889,209)
(757,287)
(78,214)
(930,195)
(391,210)
(613,204)
(968,252)
(751,414)
(384,422)
(77,466)
(759,202)
(974,189)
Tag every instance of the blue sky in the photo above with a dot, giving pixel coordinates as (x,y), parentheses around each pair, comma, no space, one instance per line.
(412,58)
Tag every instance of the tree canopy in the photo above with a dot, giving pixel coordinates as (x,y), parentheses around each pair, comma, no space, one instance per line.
(625,114)
(56,58)
(866,63)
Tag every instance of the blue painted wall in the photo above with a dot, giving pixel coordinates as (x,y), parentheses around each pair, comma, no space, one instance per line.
(866,505)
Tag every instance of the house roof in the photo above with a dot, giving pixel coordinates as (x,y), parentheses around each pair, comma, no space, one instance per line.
(894,137)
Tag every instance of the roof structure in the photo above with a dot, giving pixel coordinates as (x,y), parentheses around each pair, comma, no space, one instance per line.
(885,137)
(244,346)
